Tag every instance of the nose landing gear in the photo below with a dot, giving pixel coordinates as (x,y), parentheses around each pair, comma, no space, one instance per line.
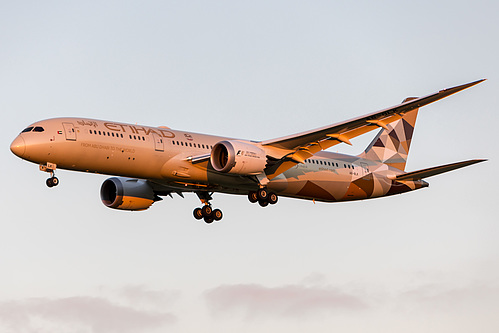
(207,212)
(50,168)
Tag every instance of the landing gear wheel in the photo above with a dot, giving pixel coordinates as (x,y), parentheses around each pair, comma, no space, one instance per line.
(207,211)
(198,214)
(263,203)
(217,214)
(262,194)
(252,197)
(52,181)
(49,182)
(272,199)
(209,220)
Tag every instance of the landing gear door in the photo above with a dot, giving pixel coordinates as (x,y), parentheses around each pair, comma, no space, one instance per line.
(158,142)
(70,132)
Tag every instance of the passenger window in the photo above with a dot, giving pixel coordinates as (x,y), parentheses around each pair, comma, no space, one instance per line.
(99,133)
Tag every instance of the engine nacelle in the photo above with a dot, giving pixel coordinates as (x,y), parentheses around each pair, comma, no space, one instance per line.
(127,193)
(238,157)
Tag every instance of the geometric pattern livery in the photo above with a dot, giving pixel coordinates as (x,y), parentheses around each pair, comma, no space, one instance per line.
(313,190)
(358,189)
(392,146)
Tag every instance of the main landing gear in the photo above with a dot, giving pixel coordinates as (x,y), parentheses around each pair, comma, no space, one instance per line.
(207,212)
(263,197)
(50,168)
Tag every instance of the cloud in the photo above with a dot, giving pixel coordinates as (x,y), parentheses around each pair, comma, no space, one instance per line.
(79,314)
(471,297)
(287,301)
(141,296)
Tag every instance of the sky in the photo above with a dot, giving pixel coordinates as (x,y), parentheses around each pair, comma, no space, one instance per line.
(422,261)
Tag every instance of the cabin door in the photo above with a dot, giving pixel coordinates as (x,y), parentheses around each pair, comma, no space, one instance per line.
(158,142)
(70,132)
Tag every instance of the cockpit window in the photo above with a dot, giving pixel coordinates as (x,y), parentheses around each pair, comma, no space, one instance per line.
(27,130)
(38,129)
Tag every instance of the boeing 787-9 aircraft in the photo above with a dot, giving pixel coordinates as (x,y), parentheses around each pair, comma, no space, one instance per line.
(149,162)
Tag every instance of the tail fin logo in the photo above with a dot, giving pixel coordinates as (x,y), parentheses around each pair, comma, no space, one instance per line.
(392,146)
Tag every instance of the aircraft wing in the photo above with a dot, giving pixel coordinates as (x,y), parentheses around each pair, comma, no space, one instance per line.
(425,173)
(304,145)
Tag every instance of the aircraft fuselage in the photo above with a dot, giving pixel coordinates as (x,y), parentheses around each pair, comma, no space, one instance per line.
(164,156)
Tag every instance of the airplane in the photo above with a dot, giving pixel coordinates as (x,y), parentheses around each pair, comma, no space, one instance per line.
(150,162)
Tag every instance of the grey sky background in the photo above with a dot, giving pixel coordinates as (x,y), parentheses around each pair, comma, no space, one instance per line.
(422,261)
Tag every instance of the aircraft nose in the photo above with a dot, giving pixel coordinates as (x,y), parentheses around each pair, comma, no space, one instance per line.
(18,147)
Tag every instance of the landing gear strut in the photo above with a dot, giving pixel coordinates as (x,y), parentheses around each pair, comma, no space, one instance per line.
(207,212)
(50,168)
(263,197)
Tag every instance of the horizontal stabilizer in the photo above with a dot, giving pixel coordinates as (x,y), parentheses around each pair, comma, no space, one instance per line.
(425,173)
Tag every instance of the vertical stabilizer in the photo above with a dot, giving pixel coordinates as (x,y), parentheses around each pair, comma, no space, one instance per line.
(391,145)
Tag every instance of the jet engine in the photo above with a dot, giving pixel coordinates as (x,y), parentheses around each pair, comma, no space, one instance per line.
(127,193)
(238,157)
